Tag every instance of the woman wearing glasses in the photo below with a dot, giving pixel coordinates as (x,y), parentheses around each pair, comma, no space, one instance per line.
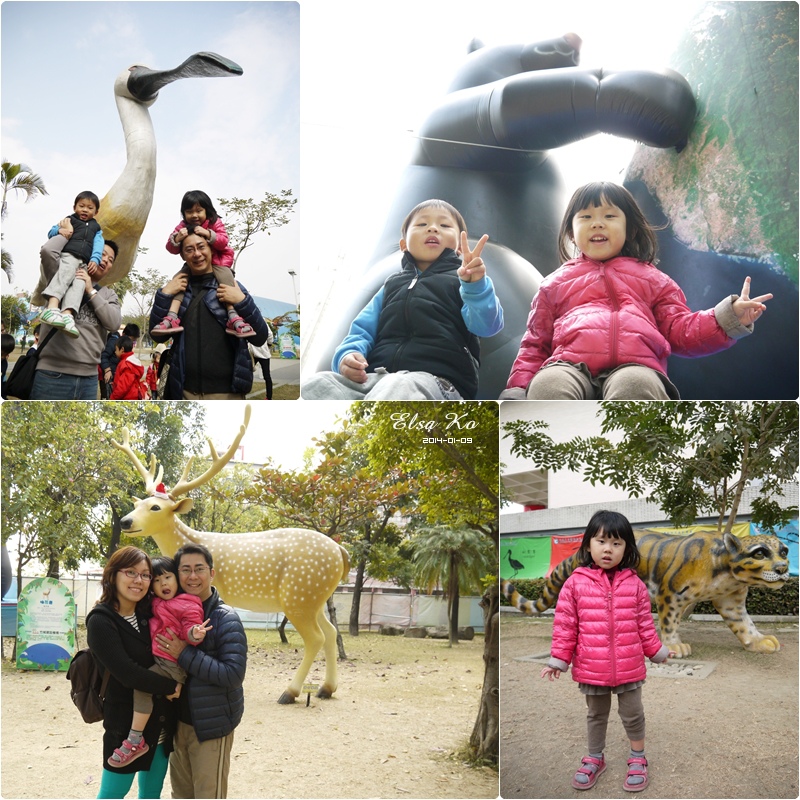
(119,638)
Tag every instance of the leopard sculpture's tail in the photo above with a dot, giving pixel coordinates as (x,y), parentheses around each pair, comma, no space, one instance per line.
(549,593)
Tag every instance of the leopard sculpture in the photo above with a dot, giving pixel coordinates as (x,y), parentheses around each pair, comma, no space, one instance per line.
(680,571)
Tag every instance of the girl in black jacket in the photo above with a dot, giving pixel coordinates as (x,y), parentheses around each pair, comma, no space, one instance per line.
(119,639)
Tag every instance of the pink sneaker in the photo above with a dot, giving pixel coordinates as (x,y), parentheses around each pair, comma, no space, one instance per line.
(238,327)
(168,325)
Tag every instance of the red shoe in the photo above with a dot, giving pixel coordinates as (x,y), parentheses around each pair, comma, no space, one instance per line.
(136,750)
(168,325)
(600,763)
(641,763)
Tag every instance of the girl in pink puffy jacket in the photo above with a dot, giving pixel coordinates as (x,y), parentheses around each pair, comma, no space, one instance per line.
(199,216)
(181,612)
(604,323)
(604,628)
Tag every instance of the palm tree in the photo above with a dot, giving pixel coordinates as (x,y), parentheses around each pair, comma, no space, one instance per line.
(455,558)
(20,178)
(8,265)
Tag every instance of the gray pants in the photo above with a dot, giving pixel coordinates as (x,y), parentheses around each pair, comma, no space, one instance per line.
(57,276)
(402,385)
(631,712)
(563,381)
(143,701)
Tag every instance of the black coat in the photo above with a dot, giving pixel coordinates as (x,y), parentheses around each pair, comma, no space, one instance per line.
(127,653)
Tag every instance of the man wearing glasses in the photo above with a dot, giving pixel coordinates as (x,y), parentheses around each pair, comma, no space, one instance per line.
(212,702)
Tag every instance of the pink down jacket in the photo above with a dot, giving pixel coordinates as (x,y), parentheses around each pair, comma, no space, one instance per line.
(180,613)
(604,630)
(620,311)
(221,252)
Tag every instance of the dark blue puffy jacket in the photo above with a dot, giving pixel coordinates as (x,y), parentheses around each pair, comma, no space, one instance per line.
(242,379)
(216,669)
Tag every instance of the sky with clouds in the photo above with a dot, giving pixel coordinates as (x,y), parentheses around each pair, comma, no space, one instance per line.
(230,137)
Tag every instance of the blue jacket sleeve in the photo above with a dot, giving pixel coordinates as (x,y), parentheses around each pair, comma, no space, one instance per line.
(361,336)
(481,311)
(227,667)
(97,247)
(52,232)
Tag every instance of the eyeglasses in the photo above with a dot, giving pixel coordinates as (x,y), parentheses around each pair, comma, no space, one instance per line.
(133,574)
(187,571)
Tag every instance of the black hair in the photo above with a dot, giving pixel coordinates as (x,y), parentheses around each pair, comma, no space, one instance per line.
(640,237)
(196,196)
(132,330)
(88,196)
(456,214)
(125,343)
(114,246)
(615,525)
(7,344)
(198,549)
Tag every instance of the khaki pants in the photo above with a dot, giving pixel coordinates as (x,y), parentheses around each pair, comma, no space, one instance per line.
(199,769)
(563,381)
(631,712)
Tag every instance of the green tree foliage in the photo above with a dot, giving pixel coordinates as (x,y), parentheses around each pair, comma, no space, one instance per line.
(452,450)
(244,219)
(13,312)
(61,473)
(694,458)
(143,285)
(457,559)
(19,178)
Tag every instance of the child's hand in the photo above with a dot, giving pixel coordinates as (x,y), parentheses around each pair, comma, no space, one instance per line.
(199,631)
(91,267)
(748,311)
(354,367)
(180,235)
(551,673)
(472,269)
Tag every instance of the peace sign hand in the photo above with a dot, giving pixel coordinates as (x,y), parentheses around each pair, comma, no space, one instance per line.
(748,311)
(472,269)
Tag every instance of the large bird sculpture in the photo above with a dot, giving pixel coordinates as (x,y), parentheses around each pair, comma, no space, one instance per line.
(124,210)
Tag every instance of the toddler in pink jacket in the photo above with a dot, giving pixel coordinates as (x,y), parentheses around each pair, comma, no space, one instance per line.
(199,216)
(603,325)
(604,628)
(181,612)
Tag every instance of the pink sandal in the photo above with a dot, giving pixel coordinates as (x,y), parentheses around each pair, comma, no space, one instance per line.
(136,750)
(168,325)
(600,763)
(238,327)
(638,773)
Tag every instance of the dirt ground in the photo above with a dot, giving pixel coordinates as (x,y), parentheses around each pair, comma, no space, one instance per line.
(395,728)
(732,734)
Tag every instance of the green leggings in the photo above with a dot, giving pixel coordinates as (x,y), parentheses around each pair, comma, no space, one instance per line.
(117,785)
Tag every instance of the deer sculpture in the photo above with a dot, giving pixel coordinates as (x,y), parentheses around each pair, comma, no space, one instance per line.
(289,570)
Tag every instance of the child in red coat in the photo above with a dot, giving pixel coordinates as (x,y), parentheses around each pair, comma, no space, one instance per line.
(183,613)
(604,627)
(128,377)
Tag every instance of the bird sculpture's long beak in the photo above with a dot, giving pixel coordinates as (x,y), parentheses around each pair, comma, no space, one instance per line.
(144,84)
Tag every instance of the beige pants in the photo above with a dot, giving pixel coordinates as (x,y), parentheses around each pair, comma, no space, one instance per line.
(199,769)
(631,712)
(563,381)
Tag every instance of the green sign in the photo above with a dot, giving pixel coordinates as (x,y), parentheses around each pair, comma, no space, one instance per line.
(46,615)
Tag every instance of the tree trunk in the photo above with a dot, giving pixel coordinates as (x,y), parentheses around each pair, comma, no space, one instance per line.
(339,641)
(453,598)
(282,629)
(485,738)
(54,567)
(355,609)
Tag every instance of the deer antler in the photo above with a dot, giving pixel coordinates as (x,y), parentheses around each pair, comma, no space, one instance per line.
(150,477)
(217,462)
